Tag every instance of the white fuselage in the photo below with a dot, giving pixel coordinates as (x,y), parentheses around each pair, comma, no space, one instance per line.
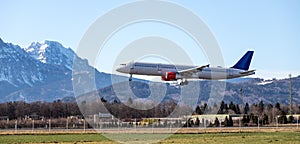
(156,69)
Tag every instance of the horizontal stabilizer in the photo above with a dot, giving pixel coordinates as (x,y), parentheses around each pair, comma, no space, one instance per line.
(247,72)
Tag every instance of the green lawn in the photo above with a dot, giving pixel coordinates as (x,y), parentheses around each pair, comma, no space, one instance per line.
(55,138)
(236,138)
(212,138)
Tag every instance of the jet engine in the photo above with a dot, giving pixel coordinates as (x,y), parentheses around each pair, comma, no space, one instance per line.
(170,76)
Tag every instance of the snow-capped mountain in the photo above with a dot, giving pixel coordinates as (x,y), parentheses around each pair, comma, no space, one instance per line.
(14,64)
(51,52)
(42,71)
(19,70)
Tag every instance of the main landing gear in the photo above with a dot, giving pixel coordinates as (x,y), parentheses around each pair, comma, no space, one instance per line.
(182,82)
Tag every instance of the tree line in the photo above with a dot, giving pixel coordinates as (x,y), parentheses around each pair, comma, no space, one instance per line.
(252,114)
(56,109)
(264,113)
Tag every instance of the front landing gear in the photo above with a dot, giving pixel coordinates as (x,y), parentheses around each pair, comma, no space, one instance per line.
(130,77)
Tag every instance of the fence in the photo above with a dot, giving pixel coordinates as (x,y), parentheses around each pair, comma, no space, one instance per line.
(147,124)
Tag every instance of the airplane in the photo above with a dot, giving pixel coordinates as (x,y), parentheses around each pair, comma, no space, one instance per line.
(180,73)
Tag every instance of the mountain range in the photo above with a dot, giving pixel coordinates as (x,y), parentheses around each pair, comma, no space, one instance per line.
(40,72)
(43,72)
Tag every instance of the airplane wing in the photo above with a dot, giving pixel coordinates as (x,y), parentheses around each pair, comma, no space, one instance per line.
(192,70)
(246,72)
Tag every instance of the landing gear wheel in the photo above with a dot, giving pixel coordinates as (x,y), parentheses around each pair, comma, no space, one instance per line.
(179,81)
(130,77)
(185,82)
(182,82)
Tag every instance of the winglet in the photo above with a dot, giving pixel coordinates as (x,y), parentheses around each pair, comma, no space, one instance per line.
(244,62)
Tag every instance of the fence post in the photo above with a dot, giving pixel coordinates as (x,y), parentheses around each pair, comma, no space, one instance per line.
(297,122)
(135,124)
(67,123)
(32,126)
(84,125)
(152,125)
(258,122)
(240,124)
(7,121)
(171,125)
(16,125)
(49,125)
(277,121)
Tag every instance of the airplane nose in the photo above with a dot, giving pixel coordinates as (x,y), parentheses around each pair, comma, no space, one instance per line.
(118,69)
(121,68)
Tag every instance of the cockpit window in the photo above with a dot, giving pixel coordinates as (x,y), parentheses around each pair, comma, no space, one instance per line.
(123,64)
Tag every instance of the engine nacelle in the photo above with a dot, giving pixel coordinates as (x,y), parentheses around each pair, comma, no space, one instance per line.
(170,76)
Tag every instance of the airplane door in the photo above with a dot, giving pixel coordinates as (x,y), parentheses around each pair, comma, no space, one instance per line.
(132,70)
(158,68)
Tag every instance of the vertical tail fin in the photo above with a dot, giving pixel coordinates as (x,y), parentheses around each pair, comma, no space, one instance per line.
(244,62)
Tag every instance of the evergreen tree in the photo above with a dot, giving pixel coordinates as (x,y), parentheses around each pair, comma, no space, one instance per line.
(226,121)
(197,122)
(265,119)
(230,121)
(246,108)
(222,107)
(204,107)
(277,106)
(232,106)
(261,107)
(245,119)
(270,106)
(238,111)
(217,122)
(290,119)
(198,110)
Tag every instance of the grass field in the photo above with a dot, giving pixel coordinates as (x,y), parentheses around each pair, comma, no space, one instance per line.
(236,138)
(211,138)
(54,138)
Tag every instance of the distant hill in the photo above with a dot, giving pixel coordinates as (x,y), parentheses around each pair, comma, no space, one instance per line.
(239,80)
(253,91)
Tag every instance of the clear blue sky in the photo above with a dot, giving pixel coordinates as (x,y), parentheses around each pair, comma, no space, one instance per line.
(271,28)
